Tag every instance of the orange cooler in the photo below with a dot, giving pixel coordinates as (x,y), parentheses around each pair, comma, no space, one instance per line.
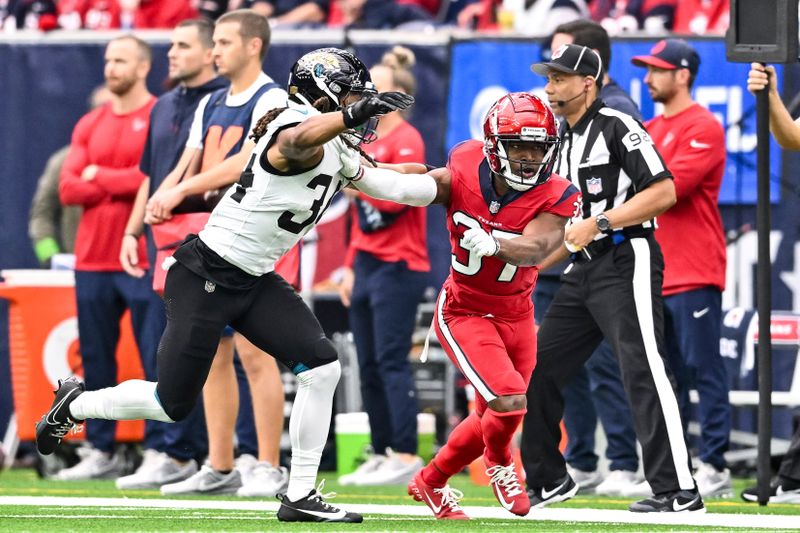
(43,345)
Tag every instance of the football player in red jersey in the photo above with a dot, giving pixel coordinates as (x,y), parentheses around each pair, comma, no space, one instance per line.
(506,211)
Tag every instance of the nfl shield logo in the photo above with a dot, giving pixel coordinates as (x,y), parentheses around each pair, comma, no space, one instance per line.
(594,185)
(210,287)
(494,207)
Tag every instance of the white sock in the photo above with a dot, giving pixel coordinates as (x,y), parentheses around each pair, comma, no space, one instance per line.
(309,425)
(134,399)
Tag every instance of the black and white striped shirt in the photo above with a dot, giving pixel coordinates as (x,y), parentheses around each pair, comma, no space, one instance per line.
(610,157)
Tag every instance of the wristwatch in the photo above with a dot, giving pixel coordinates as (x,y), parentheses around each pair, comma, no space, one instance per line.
(603,223)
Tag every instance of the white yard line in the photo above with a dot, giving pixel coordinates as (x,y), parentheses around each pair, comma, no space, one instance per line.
(71,505)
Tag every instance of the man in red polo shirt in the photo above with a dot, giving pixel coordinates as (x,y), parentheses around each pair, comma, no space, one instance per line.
(102,175)
(692,143)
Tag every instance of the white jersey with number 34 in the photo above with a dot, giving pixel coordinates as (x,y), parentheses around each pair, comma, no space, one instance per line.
(262,216)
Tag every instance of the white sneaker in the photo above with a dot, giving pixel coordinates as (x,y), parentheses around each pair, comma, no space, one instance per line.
(156,470)
(93,465)
(637,490)
(392,471)
(206,481)
(245,464)
(712,483)
(617,481)
(265,480)
(587,481)
(369,466)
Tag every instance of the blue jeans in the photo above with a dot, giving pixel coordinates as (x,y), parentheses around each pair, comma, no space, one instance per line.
(692,322)
(595,390)
(383,312)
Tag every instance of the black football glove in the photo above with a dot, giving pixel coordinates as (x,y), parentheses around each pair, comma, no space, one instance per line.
(377,104)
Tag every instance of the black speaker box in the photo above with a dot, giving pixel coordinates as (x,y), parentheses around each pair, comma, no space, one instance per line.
(762,31)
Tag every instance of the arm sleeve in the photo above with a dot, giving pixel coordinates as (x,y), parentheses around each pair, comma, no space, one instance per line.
(409,189)
(409,149)
(195,139)
(73,190)
(701,148)
(635,152)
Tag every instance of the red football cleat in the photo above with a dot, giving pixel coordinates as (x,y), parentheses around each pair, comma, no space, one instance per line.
(507,489)
(442,501)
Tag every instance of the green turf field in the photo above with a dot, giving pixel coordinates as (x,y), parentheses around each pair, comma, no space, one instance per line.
(116,515)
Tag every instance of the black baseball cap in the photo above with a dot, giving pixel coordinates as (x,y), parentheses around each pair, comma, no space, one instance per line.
(670,54)
(572,59)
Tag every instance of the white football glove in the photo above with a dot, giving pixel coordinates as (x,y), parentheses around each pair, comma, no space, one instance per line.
(351,164)
(480,242)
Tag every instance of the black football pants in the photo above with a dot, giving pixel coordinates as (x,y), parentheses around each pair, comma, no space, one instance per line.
(270,315)
(616,296)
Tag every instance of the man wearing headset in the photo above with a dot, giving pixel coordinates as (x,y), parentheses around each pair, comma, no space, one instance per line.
(611,290)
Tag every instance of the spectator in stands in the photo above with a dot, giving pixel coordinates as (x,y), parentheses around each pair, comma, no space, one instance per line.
(431,6)
(619,16)
(52,226)
(90,14)
(786,486)
(702,17)
(30,14)
(102,175)
(379,14)
(291,12)
(532,17)
(150,14)
(191,68)
(126,14)
(384,280)
(479,15)
(212,9)
(692,143)
(596,389)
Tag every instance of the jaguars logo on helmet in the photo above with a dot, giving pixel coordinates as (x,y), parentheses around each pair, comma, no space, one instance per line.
(332,74)
(328,73)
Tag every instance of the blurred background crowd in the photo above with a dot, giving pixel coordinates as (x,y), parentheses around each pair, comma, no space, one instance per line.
(699,17)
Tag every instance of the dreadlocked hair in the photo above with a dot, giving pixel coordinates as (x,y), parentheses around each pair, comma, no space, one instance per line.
(360,150)
(322,105)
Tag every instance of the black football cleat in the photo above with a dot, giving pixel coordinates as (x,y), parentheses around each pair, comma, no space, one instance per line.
(53,426)
(314,508)
(782,490)
(560,492)
(682,501)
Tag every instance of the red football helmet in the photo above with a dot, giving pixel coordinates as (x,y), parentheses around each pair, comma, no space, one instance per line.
(519,118)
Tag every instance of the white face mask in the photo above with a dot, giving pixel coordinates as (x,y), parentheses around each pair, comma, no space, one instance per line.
(520,182)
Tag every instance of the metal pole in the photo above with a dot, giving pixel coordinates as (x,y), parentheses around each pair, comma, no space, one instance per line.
(764,285)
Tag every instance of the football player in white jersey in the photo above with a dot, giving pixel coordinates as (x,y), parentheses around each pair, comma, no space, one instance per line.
(303,156)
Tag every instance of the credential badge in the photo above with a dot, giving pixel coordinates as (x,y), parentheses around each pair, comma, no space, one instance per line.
(210,287)
(494,207)
(594,185)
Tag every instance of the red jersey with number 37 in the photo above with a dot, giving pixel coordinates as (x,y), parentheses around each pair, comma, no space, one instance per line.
(489,285)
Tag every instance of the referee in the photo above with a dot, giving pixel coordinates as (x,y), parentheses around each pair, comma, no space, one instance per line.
(612,290)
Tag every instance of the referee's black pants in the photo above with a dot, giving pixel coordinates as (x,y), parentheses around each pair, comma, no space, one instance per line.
(617,296)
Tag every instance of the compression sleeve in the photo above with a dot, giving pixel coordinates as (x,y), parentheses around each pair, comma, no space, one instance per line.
(385,184)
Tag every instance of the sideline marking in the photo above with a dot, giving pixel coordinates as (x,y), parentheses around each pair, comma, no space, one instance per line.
(750,521)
